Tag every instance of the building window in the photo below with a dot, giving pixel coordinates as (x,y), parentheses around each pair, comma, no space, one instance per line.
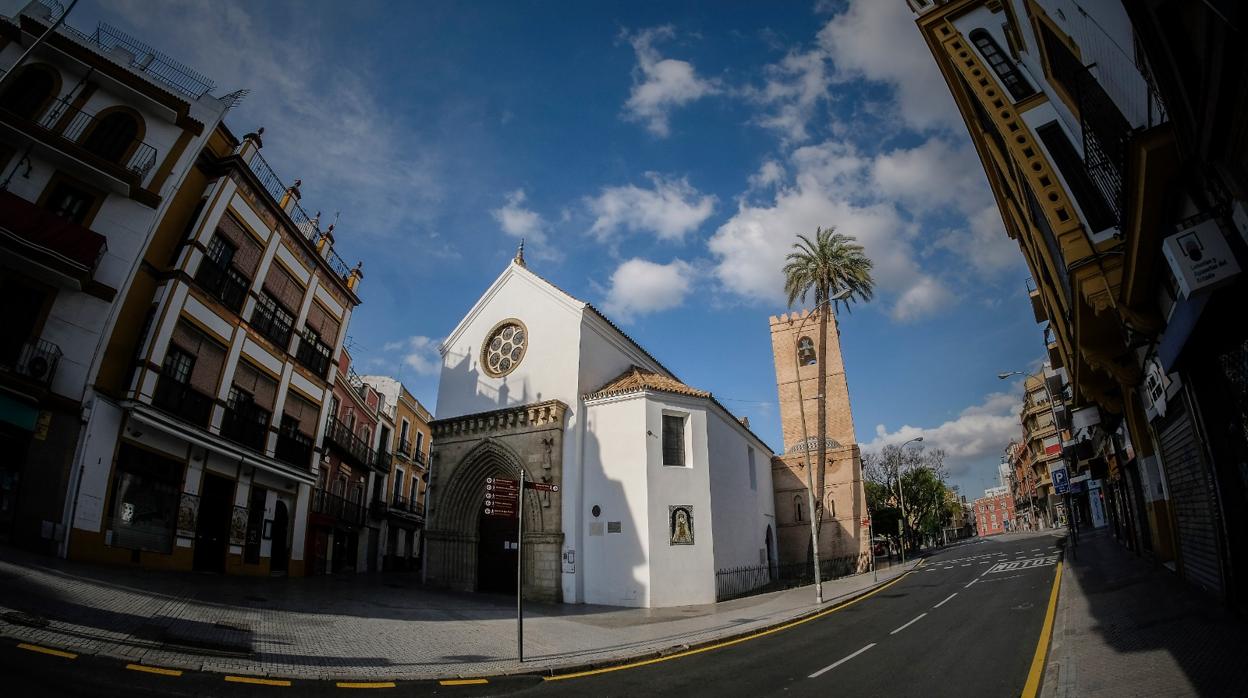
(420,441)
(398,484)
(797,507)
(113,136)
(749,454)
(1097,212)
(221,250)
(806,352)
(673,440)
(70,201)
(178,365)
(144,507)
(29,94)
(272,320)
(1005,69)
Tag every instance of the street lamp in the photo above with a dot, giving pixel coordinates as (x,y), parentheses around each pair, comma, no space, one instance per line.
(901,497)
(801,407)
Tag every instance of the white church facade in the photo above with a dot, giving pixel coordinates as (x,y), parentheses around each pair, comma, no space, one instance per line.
(659,486)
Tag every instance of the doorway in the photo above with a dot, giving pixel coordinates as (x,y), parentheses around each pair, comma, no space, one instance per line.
(212,531)
(496,554)
(279,557)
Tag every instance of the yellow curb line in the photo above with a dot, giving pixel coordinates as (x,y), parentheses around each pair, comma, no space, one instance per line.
(47,650)
(258,681)
(365,684)
(1032,687)
(727,643)
(154,670)
(462,682)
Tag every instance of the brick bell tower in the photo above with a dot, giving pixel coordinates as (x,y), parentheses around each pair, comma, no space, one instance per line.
(844,505)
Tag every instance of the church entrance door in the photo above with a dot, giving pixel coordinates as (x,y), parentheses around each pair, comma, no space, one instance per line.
(496,554)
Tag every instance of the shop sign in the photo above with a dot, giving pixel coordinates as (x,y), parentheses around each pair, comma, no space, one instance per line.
(1199,257)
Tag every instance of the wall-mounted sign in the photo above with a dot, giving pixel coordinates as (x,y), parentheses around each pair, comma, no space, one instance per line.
(1061,481)
(1199,257)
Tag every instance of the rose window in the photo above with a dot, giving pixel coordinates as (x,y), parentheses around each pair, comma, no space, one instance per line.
(505,348)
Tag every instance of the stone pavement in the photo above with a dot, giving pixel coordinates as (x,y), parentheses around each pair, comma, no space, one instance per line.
(375,626)
(1127,627)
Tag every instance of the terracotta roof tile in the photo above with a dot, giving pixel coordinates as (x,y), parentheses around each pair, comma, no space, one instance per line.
(637,378)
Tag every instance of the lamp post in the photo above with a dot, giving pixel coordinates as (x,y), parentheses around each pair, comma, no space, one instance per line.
(901,496)
(801,408)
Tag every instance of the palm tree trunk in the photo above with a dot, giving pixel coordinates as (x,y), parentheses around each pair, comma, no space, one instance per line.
(822,450)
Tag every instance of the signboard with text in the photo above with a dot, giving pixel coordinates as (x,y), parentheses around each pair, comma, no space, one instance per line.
(1061,481)
(502,497)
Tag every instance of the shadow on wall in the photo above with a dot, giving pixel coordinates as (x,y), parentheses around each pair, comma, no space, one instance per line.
(462,378)
(614,566)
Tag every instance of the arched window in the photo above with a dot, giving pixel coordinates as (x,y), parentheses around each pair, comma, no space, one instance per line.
(30,92)
(831,507)
(797,507)
(113,136)
(806,352)
(1001,64)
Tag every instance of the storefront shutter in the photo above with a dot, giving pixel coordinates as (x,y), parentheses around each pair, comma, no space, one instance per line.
(1193,498)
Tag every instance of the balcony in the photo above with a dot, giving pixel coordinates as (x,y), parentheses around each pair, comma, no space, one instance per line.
(405,449)
(351,447)
(337,507)
(69,250)
(33,360)
(382,460)
(1037,302)
(294,448)
(404,507)
(223,282)
(182,401)
(313,354)
(272,321)
(247,424)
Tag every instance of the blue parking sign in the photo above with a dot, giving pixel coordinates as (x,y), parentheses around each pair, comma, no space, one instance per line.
(1061,482)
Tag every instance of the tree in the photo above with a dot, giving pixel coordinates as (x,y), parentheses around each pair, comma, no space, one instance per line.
(830,264)
(920,474)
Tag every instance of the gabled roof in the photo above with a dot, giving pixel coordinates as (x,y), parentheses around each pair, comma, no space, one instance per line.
(636,379)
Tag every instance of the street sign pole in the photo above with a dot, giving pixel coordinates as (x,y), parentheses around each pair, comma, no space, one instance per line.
(520,573)
(871,546)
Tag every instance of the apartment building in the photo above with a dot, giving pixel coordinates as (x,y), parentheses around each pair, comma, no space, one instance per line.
(399,497)
(1113,137)
(994,512)
(98,134)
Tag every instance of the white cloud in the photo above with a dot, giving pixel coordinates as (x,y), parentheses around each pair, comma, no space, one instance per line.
(769,174)
(794,88)
(640,287)
(984,243)
(418,353)
(879,41)
(926,296)
(661,84)
(670,209)
(979,431)
(932,176)
(518,221)
(326,120)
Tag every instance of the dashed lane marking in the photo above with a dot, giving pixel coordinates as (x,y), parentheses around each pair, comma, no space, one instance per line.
(256,680)
(462,682)
(839,662)
(912,622)
(47,650)
(365,684)
(154,670)
(947,598)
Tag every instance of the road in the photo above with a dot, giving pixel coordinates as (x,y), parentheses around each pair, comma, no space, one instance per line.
(966,622)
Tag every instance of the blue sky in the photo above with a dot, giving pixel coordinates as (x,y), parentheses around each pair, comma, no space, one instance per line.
(659,158)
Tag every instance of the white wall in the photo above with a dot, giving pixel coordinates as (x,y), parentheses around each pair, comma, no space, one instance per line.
(615,565)
(679,574)
(741,514)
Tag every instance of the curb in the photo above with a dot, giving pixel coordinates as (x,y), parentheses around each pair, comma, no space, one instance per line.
(548,673)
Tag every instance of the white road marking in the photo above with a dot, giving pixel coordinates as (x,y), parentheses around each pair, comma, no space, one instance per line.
(942,603)
(837,663)
(907,624)
(968,586)
(967,565)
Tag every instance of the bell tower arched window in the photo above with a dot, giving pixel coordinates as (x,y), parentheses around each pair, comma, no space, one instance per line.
(797,507)
(806,352)
(1001,64)
(30,92)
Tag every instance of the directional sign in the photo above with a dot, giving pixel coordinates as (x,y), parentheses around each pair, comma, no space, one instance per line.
(541,487)
(498,483)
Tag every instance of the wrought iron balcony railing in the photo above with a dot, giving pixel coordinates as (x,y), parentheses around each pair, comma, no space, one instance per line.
(334,506)
(246,423)
(313,353)
(34,360)
(272,321)
(405,449)
(223,282)
(294,448)
(113,140)
(350,446)
(382,460)
(182,401)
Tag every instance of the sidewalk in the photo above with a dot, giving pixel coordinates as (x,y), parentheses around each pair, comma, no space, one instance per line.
(375,626)
(1125,627)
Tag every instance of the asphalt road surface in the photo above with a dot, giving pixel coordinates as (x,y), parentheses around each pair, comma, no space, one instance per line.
(966,622)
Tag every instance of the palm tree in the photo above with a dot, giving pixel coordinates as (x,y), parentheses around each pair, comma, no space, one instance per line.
(830,265)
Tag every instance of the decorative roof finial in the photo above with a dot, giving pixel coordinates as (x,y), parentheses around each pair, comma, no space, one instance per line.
(520,254)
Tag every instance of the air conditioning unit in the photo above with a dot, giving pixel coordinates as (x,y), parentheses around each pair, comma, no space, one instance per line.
(38,367)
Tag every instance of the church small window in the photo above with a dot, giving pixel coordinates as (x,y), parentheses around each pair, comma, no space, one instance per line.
(797,507)
(504,348)
(673,440)
(806,352)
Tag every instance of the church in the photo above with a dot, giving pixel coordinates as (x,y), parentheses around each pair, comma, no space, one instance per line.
(658,485)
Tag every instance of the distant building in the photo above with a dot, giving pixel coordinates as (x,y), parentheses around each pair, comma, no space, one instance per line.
(399,497)
(994,512)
